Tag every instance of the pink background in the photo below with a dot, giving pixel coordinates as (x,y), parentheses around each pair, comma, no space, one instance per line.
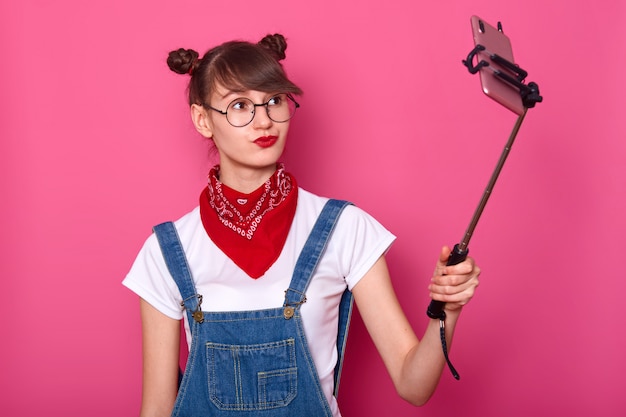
(97,146)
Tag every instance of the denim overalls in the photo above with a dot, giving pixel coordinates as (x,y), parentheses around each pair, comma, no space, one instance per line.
(254,363)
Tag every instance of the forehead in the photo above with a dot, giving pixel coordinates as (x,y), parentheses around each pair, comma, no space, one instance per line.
(222,93)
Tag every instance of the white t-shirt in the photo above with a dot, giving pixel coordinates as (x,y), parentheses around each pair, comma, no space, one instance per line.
(356,244)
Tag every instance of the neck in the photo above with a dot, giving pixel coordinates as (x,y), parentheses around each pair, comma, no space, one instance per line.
(245,180)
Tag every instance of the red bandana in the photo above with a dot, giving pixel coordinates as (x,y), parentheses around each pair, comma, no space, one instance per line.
(250,229)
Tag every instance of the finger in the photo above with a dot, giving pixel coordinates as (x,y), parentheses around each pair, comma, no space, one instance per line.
(452,286)
(444,255)
(465,267)
(456,278)
(460,294)
(461,298)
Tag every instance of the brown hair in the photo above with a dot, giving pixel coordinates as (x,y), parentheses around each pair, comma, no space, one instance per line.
(236,65)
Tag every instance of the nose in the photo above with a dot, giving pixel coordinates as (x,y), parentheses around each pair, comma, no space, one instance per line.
(261,117)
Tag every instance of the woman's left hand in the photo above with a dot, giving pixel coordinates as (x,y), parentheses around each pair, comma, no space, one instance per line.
(455,285)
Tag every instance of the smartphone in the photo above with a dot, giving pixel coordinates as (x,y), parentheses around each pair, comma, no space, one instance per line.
(496,42)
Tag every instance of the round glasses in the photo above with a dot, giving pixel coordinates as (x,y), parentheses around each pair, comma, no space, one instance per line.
(240,112)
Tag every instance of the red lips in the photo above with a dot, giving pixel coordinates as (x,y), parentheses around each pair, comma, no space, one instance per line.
(266,141)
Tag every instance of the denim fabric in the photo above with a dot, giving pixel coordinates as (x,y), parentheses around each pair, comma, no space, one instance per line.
(254,363)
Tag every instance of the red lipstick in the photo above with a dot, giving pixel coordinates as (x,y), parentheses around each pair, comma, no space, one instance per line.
(266,141)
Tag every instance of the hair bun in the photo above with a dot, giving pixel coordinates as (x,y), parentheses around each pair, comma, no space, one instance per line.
(276,44)
(183,61)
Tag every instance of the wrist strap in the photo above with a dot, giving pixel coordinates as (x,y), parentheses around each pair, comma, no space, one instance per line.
(444,345)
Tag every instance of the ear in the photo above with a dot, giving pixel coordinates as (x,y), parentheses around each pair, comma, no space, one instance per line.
(201,121)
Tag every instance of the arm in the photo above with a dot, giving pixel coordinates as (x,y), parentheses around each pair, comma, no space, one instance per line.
(161,345)
(414,365)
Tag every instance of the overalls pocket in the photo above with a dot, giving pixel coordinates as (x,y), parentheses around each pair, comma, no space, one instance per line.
(252,377)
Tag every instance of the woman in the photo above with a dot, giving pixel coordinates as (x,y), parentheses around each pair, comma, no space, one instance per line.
(259,271)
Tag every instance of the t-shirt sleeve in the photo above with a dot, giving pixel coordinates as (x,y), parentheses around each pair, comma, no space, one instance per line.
(363,240)
(150,279)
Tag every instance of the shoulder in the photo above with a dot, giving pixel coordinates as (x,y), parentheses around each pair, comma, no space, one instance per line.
(358,239)
(149,276)
(188,223)
(311,205)
(186,228)
(355,231)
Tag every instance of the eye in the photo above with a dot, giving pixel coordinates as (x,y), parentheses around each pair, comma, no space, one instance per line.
(276,100)
(241,105)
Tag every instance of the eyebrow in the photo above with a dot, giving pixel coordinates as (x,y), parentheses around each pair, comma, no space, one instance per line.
(231,93)
(240,94)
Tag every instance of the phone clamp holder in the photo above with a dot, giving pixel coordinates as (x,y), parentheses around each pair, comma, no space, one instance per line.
(529,92)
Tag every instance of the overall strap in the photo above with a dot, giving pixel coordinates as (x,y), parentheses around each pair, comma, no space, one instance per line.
(345,315)
(305,268)
(312,251)
(176,262)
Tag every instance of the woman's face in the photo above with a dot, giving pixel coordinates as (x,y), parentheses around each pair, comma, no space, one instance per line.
(256,146)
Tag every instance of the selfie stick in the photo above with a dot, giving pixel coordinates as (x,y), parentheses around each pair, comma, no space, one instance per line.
(530,96)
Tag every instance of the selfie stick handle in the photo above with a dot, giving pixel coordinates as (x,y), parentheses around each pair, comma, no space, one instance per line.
(459,253)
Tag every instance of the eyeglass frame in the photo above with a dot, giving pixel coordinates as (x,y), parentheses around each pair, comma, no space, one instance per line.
(255,105)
